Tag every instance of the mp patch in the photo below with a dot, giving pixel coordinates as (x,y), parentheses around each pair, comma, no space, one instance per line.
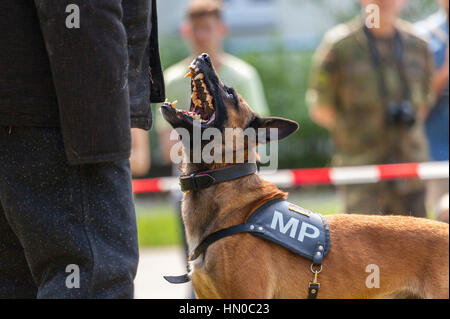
(301,231)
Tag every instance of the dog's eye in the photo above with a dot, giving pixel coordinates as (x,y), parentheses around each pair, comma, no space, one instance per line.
(230,92)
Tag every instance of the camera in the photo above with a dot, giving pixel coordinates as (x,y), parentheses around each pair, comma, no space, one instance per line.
(400,114)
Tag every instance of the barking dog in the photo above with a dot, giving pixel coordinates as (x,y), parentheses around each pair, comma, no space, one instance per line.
(410,255)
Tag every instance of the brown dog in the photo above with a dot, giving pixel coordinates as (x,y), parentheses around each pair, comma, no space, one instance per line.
(410,255)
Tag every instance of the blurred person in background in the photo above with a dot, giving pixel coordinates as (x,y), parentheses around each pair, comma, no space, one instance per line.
(68,98)
(371,87)
(436,31)
(205,31)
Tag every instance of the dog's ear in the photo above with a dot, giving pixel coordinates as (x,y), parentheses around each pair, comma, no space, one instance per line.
(281,127)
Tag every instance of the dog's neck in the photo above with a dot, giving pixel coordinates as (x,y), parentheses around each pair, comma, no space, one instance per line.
(223,205)
(191,167)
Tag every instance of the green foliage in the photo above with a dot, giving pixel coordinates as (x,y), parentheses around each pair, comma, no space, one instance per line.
(173,49)
(285,78)
(419,9)
(159,229)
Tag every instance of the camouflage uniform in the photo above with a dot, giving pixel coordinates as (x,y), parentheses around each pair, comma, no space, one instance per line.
(345,79)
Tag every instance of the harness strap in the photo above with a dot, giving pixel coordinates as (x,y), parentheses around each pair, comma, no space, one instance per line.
(257,224)
(210,239)
(313,288)
(242,228)
(376,61)
(206,179)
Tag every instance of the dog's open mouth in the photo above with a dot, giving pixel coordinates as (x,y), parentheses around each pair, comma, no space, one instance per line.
(202,107)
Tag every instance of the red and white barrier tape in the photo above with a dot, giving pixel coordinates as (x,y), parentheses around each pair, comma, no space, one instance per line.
(322,176)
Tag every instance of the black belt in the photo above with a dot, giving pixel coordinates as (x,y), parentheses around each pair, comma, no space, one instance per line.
(206,179)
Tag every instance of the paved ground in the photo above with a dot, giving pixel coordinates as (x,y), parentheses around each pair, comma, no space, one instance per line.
(153,265)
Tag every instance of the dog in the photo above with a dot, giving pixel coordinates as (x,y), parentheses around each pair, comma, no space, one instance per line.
(410,255)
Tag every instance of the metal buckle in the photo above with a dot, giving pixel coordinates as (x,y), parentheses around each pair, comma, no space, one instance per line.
(194,182)
(195,186)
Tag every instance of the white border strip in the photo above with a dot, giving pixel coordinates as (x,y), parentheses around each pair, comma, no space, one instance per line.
(354,175)
(169,184)
(434,170)
(282,178)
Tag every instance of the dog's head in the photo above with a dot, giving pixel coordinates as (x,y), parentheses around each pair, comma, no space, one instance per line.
(215,105)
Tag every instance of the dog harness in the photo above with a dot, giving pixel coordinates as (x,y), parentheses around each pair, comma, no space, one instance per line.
(279,221)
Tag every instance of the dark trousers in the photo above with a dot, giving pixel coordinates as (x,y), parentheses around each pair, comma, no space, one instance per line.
(65,231)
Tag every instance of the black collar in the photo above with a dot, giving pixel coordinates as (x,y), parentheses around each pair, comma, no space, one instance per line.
(206,179)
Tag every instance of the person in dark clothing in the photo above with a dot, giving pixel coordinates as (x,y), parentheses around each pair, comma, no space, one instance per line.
(68,99)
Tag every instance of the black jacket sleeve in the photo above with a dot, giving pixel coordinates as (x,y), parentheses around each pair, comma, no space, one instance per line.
(145,73)
(89,67)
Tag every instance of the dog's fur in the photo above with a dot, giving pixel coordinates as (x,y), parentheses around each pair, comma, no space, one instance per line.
(412,254)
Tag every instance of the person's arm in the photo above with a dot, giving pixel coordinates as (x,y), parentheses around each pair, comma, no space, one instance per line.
(140,159)
(89,67)
(441,75)
(429,92)
(139,25)
(321,95)
(166,144)
(323,115)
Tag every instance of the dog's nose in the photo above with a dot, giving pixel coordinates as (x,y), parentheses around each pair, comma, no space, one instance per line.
(205,57)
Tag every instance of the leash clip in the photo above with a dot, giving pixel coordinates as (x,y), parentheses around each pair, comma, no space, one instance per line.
(316,273)
(313,288)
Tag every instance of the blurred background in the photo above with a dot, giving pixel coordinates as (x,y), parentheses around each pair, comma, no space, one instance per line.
(278,38)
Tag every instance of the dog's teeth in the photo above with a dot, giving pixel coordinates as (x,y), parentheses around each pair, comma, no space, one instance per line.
(209,100)
(199,76)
